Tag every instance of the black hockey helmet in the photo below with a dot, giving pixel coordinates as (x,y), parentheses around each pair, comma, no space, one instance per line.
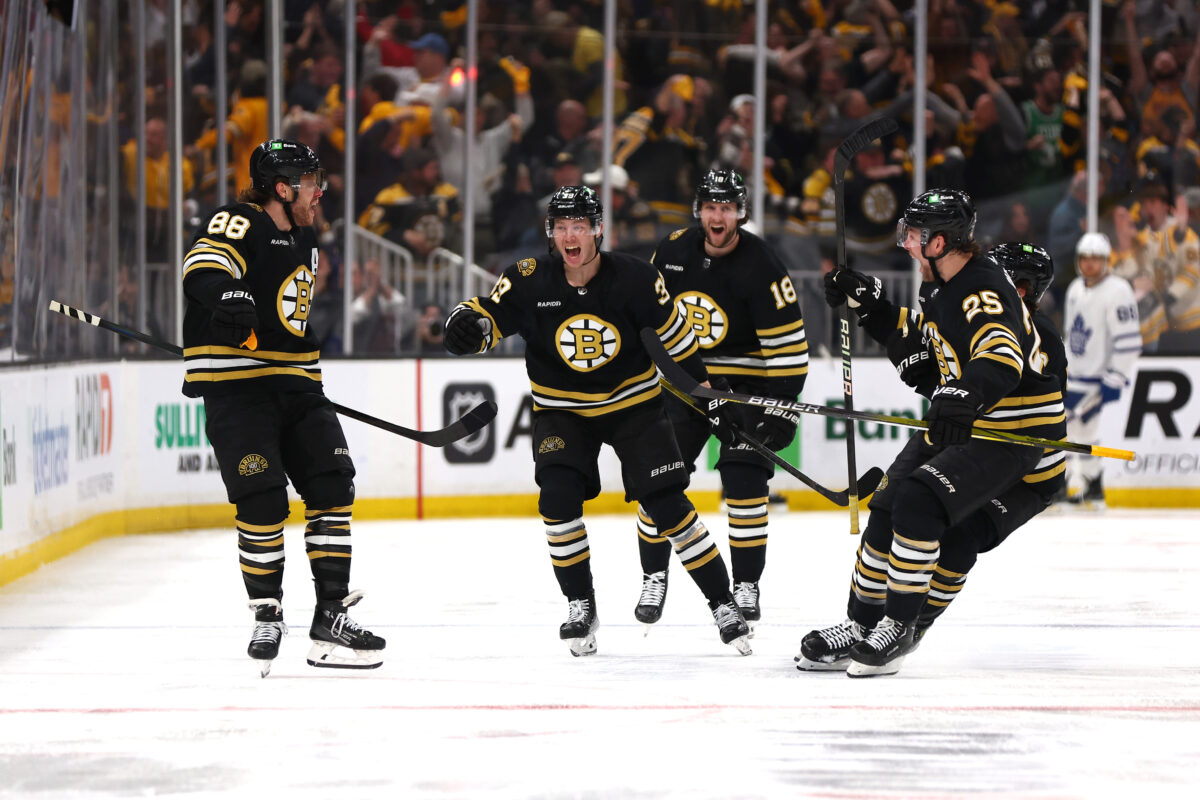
(720,186)
(574,202)
(283,158)
(1025,262)
(948,212)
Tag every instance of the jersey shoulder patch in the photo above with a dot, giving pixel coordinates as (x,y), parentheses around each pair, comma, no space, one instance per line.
(526,266)
(676,234)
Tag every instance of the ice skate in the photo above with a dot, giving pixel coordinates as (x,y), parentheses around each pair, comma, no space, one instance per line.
(580,628)
(269,631)
(828,649)
(884,649)
(745,594)
(1092,496)
(340,642)
(731,624)
(654,595)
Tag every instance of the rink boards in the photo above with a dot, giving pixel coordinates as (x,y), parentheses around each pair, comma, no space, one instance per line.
(97,449)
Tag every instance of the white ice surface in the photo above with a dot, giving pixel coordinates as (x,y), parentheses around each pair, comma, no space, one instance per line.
(1068,668)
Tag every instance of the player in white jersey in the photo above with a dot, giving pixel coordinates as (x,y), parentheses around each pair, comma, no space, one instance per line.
(1100,325)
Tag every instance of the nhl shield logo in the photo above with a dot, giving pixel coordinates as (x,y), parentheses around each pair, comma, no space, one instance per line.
(458,399)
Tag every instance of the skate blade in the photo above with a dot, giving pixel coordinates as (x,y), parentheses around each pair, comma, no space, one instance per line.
(742,644)
(264,666)
(584,645)
(807,665)
(856,669)
(646,629)
(332,656)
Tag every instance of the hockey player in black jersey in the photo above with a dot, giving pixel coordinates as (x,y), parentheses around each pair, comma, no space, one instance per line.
(975,351)
(248,282)
(740,302)
(580,312)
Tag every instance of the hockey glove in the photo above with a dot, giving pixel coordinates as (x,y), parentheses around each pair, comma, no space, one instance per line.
(864,293)
(913,363)
(464,331)
(776,427)
(723,416)
(952,410)
(234,316)
(1110,392)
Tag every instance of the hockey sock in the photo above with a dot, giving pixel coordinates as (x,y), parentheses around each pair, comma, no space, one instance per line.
(676,519)
(654,549)
(570,556)
(944,586)
(260,520)
(918,522)
(746,507)
(327,540)
(868,588)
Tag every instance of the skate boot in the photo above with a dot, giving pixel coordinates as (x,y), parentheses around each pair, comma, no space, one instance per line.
(731,624)
(827,649)
(269,631)
(745,594)
(1092,496)
(580,628)
(884,649)
(654,595)
(340,642)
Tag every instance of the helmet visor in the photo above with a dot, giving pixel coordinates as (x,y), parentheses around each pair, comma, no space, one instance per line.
(316,179)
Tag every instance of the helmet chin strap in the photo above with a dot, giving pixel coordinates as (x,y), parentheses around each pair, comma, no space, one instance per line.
(287,205)
(937,276)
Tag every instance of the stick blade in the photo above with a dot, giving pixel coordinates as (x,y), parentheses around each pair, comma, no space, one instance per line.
(858,141)
(478,417)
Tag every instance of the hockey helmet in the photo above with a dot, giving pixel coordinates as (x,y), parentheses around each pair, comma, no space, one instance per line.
(1025,262)
(285,159)
(574,202)
(948,212)
(720,186)
(1093,244)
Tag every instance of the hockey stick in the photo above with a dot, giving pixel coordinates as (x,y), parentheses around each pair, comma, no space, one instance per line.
(855,143)
(679,376)
(868,481)
(464,426)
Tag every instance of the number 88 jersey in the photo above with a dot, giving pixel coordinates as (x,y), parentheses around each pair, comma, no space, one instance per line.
(241,242)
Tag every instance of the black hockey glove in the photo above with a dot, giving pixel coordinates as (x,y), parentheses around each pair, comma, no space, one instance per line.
(952,410)
(464,331)
(724,416)
(776,427)
(864,293)
(234,316)
(913,363)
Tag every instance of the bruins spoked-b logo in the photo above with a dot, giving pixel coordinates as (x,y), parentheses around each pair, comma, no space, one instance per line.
(295,300)
(707,319)
(252,465)
(586,342)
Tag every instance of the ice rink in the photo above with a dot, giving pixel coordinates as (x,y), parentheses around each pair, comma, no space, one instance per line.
(1068,668)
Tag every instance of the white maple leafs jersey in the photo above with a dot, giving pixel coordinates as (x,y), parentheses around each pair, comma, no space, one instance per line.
(742,308)
(583,351)
(1102,332)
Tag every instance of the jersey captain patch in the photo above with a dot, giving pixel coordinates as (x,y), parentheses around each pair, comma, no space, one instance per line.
(586,342)
(708,320)
(295,300)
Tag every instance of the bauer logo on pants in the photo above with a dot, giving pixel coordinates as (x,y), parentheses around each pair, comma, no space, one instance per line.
(458,399)
(252,464)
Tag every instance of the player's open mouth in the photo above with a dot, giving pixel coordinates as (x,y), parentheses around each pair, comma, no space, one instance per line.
(717,230)
(573,251)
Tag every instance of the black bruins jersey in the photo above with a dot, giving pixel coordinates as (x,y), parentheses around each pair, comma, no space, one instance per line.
(742,308)
(583,351)
(241,241)
(984,337)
